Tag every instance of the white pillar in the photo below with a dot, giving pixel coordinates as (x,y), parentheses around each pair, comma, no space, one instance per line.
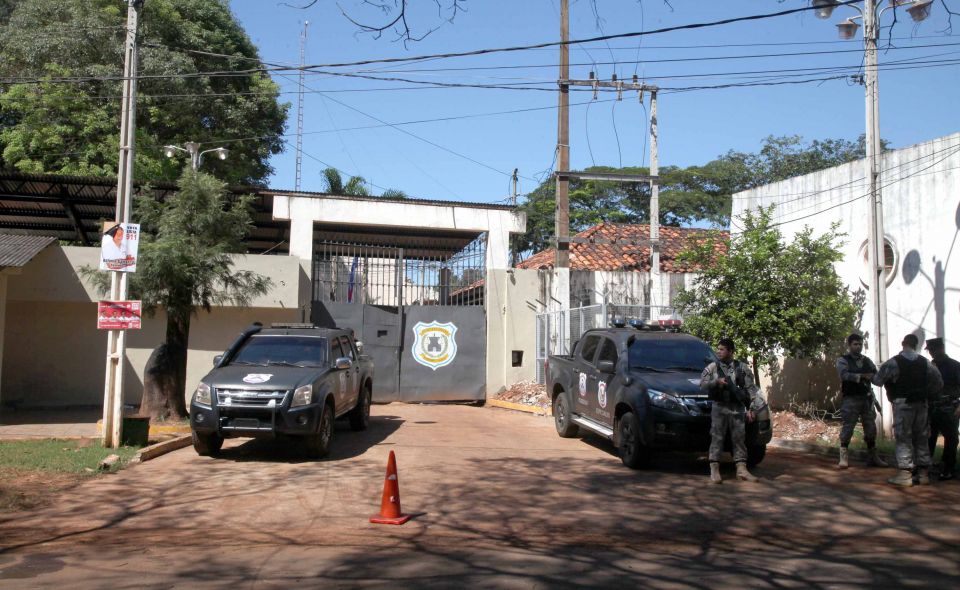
(301,238)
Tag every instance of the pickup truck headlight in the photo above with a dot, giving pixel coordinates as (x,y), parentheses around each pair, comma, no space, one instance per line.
(302,396)
(667,401)
(202,394)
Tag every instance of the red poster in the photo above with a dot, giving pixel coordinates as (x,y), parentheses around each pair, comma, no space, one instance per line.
(118,315)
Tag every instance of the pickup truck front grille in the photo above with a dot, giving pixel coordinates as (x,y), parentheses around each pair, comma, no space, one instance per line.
(245,398)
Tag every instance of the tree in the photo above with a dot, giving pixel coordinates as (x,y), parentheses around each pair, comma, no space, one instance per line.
(394,193)
(184,265)
(770,297)
(356,186)
(687,195)
(60,115)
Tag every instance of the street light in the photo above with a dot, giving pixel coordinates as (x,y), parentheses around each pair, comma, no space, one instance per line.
(196,156)
(918,10)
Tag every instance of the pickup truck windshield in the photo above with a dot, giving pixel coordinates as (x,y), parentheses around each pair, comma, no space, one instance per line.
(290,351)
(670,355)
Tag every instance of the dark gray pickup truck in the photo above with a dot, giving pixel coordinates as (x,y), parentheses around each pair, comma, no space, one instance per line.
(641,389)
(290,380)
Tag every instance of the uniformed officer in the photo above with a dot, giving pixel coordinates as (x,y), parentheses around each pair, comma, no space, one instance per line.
(857,404)
(945,410)
(910,381)
(731,408)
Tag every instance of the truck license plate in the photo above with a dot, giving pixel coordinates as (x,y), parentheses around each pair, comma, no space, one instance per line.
(246,423)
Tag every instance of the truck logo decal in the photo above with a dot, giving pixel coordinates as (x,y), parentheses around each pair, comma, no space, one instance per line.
(602,393)
(583,384)
(257,378)
(434,344)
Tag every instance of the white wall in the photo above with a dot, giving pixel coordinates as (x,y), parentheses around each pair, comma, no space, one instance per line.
(921,210)
(53,354)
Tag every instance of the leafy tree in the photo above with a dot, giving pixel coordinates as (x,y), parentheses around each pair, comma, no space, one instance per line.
(356,186)
(184,265)
(394,193)
(770,297)
(60,111)
(687,195)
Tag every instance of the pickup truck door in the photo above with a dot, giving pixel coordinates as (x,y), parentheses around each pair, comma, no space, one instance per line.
(338,377)
(585,377)
(353,378)
(603,400)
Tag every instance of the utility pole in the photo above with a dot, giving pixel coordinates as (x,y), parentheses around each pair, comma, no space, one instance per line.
(876,256)
(513,187)
(303,53)
(116,339)
(562,214)
(654,199)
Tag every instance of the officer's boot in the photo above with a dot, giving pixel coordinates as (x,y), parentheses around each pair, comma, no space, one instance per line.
(844,458)
(745,475)
(904,477)
(715,473)
(923,476)
(873,458)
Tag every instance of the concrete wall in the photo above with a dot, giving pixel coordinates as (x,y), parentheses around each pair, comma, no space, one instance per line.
(513,299)
(921,210)
(53,354)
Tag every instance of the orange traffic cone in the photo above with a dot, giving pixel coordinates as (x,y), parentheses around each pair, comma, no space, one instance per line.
(390,502)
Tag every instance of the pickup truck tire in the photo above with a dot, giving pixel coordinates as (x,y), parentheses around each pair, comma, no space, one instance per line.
(360,415)
(562,418)
(755,454)
(633,453)
(207,444)
(318,445)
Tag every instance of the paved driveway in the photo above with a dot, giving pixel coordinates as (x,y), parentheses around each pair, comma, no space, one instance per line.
(501,502)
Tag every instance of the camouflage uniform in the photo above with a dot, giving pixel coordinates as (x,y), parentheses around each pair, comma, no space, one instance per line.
(921,381)
(728,415)
(857,404)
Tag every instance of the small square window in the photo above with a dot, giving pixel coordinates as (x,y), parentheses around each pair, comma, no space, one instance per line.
(516,358)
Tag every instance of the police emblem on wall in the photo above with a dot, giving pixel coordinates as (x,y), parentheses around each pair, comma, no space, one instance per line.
(434,344)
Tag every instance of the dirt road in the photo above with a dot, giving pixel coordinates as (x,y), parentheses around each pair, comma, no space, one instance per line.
(501,502)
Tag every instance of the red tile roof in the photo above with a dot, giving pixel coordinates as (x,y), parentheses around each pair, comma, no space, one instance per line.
(630,253)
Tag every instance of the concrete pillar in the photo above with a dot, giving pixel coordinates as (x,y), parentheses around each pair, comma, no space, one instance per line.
(3,327)
(301,238)
(498,244)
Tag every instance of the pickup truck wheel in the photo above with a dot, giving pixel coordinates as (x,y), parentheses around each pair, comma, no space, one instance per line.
(755,454)
(632,451)
(207,444)
(360,415)
(318,445)
(562,418)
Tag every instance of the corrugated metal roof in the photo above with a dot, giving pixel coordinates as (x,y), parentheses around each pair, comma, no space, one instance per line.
(18,250)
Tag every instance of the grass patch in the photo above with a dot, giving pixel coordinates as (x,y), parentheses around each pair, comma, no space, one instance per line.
(60,456)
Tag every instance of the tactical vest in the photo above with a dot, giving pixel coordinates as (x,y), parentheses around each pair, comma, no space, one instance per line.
(912,382)
(860,387)
(950,371)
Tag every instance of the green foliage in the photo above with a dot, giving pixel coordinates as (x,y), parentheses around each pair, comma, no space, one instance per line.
(394,193)
(770,297)
(70,127)
(695,194)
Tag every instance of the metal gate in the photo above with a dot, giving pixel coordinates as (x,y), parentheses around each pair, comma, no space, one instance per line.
(419,313)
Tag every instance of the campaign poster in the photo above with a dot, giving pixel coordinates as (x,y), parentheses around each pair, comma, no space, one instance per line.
(118,315)
(118,246)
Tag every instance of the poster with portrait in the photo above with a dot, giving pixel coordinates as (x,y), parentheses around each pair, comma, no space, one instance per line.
(118,246)
(119,315)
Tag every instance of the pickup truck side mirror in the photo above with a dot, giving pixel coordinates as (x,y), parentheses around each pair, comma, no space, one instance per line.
(217,359)
(343,363)
(606,367)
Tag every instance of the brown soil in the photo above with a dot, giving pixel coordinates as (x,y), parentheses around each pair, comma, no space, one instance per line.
(25,490)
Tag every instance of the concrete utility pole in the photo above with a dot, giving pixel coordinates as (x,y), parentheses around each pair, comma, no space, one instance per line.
(116,339)
(562,215)
(654,203)
(513,187)
(875,244)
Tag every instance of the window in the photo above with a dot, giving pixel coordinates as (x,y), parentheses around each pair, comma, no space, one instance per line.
(589,348)
(347,349)
(335,350)
(608,352)
(890,263)
(516,358)
(266,350)
(670,354)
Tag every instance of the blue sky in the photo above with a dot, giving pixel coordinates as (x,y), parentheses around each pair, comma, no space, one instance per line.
(479,149)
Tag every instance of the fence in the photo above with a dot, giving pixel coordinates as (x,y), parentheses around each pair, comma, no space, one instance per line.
(557,331)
